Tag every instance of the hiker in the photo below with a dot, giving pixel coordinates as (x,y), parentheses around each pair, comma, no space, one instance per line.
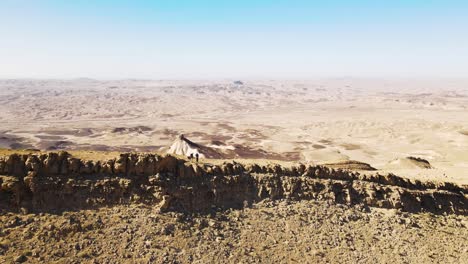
(191,156)
(196,156)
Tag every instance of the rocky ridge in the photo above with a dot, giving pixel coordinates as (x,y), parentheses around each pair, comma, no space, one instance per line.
(58,181)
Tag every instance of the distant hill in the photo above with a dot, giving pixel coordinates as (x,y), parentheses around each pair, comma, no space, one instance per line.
(184,147)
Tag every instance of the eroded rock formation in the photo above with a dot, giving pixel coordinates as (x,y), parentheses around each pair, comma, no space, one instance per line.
(57,181)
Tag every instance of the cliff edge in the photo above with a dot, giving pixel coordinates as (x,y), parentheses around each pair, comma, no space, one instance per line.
(58,181)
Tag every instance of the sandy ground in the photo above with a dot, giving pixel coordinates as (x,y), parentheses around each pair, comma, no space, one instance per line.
(380,122)
(269,232)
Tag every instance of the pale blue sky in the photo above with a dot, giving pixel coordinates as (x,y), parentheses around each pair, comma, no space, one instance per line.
(233,39)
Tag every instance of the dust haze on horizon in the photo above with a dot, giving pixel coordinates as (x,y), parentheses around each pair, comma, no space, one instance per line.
(245,39)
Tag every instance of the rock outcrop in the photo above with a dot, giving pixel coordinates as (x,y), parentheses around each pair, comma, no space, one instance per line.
(350,165)
(184,147)
(409,163)
(57,181)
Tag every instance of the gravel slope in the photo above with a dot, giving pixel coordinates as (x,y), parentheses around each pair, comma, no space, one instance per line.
(269,232)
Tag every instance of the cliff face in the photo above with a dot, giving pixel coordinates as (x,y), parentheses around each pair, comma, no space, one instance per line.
(57,181)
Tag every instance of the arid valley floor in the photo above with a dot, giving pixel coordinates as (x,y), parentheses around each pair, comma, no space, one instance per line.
(379,122)
(416,129)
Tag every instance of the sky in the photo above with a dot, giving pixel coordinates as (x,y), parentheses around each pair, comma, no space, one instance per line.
(181,39)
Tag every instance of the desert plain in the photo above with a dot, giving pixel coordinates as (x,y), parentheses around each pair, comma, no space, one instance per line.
(377,121)
(414,128)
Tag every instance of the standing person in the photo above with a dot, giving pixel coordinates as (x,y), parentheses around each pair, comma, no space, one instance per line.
(196,156)
(191,156)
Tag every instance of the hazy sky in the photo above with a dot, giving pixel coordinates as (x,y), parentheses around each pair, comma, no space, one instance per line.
(233,39)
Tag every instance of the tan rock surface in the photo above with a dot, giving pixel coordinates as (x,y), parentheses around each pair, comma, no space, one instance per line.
(279,231)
